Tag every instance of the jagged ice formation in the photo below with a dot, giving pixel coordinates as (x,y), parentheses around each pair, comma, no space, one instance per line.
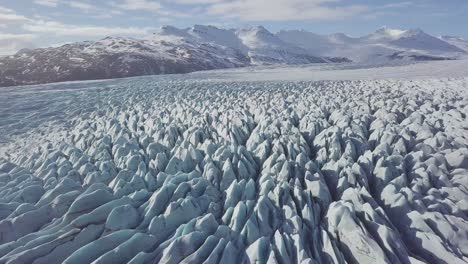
(242,172)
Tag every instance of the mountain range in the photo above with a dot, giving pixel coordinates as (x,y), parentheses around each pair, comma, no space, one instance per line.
(174,50)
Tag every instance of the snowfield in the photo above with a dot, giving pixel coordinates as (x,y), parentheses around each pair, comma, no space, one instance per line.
(345,71)
(243,166)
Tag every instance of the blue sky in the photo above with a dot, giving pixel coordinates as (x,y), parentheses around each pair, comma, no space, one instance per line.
(41,23)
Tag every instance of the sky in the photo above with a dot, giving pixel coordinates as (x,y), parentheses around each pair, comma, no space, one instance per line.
(44,23)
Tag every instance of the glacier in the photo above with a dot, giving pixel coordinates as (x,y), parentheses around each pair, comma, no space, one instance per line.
(218,167)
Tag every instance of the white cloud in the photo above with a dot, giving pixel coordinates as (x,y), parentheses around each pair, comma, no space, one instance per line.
(398,5)
(60,29)
(139,5)
(283,10)
(12,19)
(376,14)
(151,6)
(8,16)
(84,6)
(5,10)
(50,3)
(196,2)
(81,5)
(11,43)
(390,9)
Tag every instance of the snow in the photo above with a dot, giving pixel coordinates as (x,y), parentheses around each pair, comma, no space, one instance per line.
(257,44)
(289,46)
(172,50)
(342,163)
(336,72)
(456,41)
(380,46)
(393,33)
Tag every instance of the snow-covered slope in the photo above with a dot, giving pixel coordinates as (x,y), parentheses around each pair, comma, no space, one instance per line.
(314,43)
(266,48)
(175,50)
(383,45)
(114,57)
(172,170)
(414,39)
(257,43)
(456,41)
(343,71)
(171,50)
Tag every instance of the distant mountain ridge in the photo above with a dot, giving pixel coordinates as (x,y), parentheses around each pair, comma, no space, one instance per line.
(456,41)
(382,45)
(175,50)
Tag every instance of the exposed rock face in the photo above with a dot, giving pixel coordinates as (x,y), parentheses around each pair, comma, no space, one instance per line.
(267,172)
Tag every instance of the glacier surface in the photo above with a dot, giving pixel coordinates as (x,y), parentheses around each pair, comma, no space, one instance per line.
(206,169)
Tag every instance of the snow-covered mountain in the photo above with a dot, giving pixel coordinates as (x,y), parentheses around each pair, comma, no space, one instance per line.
(115,57)
(382,45)
(170,50)
(175,50)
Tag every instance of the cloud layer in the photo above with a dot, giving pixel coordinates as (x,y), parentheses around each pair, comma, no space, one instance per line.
(281,10)
(10,43)
(60,29)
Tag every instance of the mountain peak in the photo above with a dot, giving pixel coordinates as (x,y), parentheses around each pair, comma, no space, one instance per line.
(395,33)
(340,37)
(204,28)
(413,32)
(255,29)
(170,30)
(386,32)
